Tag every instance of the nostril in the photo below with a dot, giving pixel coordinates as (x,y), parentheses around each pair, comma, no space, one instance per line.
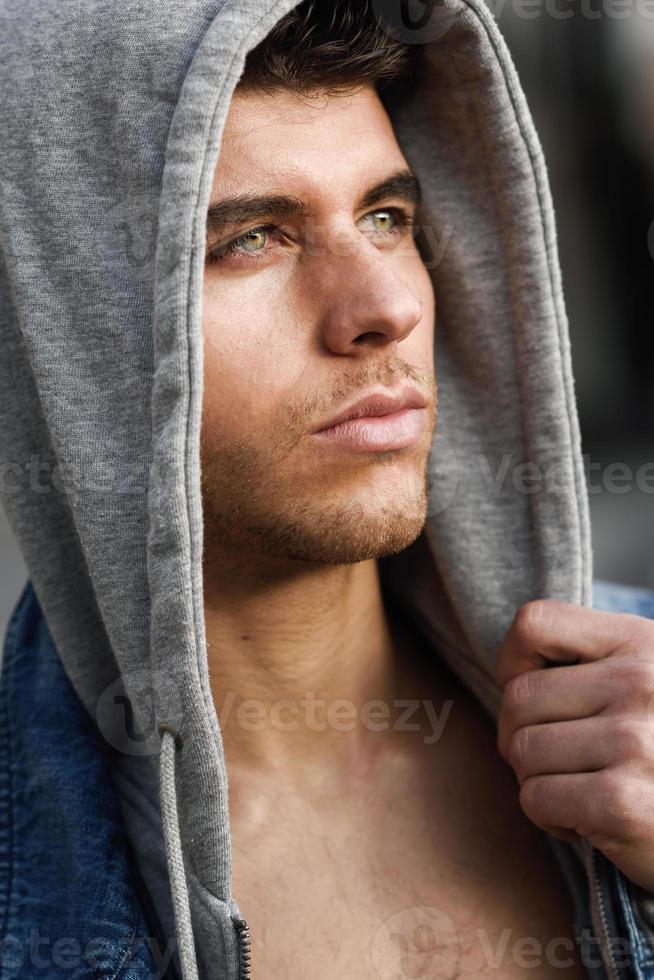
(371,335)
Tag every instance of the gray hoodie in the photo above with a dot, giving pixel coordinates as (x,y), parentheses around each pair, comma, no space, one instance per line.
(111,118)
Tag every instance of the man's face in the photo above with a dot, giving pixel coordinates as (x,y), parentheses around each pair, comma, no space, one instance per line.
(304,314)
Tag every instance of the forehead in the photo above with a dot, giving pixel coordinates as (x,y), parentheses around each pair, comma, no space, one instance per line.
(273,138)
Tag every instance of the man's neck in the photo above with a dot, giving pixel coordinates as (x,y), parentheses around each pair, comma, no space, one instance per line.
(307,651)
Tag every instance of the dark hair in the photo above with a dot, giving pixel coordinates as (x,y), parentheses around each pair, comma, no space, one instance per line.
(330,45)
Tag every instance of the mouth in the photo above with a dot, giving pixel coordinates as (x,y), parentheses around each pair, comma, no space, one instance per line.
(381,421)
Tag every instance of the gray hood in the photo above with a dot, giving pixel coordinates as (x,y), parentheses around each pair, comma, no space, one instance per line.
(111,115)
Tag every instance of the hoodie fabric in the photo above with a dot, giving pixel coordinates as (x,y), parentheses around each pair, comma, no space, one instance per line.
(111,116)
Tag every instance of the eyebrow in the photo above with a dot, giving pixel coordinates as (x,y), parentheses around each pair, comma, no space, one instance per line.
(403,184)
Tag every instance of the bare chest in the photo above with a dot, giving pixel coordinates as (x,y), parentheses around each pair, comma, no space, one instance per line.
(430,871)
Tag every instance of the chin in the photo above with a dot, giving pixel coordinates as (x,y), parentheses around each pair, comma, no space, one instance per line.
(377,513)
(381,542)
(365,527)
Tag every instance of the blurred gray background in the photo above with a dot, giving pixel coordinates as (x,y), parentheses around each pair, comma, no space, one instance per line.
(587,67)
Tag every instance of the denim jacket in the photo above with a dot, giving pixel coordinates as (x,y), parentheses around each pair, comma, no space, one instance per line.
(71,901)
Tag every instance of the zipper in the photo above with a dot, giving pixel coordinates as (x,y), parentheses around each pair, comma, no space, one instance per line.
(244,949)
(614,972)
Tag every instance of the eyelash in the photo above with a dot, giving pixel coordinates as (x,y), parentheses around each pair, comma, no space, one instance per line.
(405,221)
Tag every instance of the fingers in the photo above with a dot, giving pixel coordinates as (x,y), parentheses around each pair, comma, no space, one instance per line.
(564,747)
(552,695)
(607,806)
(547,630)
(561,801)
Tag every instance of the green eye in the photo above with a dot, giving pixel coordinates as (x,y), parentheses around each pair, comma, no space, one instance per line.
(384,216)
(390,221)
(251,238)
(251,242)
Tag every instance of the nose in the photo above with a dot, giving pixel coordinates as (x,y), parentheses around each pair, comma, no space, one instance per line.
(365,302)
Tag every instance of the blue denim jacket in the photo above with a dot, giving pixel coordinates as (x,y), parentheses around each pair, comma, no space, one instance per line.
(71,901)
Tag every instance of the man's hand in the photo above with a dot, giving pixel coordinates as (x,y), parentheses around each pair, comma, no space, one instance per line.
(581,738)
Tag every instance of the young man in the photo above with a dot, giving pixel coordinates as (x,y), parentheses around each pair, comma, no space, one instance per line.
(282,644)
(315,287)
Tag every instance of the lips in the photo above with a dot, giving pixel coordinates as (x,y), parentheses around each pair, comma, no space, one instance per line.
(377,404)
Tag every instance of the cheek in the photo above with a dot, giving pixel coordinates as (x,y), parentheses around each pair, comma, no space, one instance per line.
(232,403)
(418,347)
(250,365)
